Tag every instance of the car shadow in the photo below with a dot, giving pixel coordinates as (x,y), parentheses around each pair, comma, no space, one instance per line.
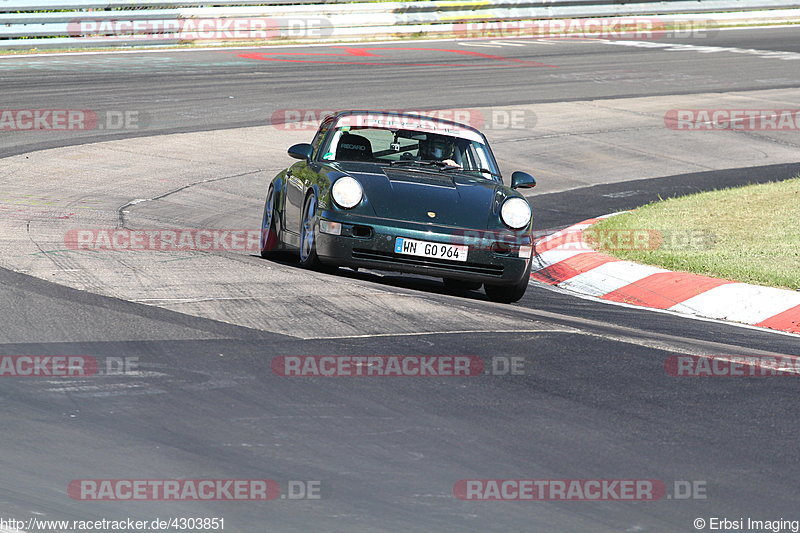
(392,279)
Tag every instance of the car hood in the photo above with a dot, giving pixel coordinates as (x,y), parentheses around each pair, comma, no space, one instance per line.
(454,198)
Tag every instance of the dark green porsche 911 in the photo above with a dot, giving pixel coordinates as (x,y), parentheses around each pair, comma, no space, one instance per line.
(407,193)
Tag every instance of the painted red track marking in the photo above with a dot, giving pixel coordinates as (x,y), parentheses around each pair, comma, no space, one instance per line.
(788,320)
(665,289)
(571,267)
(349,51)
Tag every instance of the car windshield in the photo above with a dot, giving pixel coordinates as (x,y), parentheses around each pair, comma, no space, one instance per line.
(397,146)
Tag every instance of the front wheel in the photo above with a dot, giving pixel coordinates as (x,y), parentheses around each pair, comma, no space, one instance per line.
(308,238)
(507,294)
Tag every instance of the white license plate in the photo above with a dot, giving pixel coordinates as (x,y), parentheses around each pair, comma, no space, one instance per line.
(438,250)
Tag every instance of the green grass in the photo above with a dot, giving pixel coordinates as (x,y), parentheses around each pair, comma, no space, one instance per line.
(749,234)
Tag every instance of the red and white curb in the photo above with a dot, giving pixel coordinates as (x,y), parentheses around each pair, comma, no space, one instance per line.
(564,260)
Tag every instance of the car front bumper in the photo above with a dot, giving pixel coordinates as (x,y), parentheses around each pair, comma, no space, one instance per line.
(493,257)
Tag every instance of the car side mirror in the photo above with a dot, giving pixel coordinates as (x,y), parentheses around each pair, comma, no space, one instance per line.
(301,151)
(522,180)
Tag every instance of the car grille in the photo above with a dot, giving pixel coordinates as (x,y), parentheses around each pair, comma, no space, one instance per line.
(455,266)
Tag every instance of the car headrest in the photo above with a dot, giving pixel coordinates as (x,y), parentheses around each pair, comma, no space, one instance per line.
(354,148)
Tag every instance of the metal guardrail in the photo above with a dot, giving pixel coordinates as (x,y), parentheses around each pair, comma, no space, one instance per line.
(91,23)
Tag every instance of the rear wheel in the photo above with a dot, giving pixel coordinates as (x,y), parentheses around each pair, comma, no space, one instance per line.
(457,285)
(269,237)
(507,294)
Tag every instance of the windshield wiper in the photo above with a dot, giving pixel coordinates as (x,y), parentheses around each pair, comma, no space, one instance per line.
(441,165)
(416,162)
(481,170)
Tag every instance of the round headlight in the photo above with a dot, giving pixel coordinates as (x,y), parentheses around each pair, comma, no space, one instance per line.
(516,213)
(347,192)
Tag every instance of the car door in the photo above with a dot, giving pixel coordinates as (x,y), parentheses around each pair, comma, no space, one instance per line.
(295,195)
(298,179)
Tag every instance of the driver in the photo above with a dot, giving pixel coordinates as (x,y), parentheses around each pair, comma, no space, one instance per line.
(438,149)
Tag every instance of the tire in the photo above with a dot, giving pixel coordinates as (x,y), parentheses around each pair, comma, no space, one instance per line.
(269,237)
(507,294)
(308,236)
(457,285)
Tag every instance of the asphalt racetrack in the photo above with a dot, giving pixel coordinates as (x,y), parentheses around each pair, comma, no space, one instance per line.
(590,400)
